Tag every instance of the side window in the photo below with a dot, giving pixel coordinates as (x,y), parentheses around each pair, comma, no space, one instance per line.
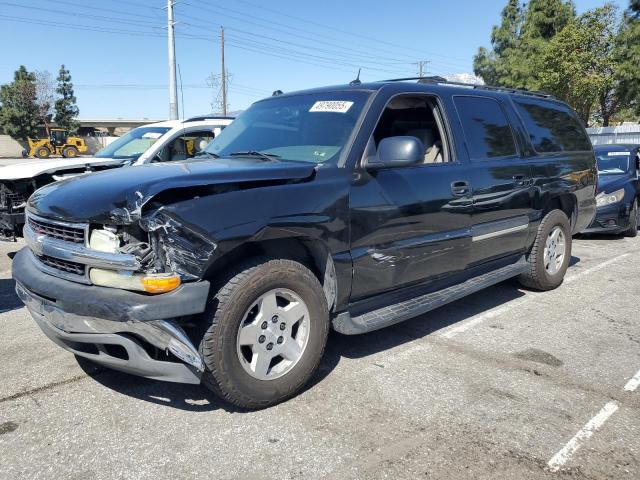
(552,127)
(186,146)
(486,128)
(415,116)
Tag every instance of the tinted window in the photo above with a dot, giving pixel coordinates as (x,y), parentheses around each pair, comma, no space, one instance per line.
(486,128)
(306,128)
(552,127)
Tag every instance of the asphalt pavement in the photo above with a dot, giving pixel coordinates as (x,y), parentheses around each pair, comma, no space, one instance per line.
(506,383)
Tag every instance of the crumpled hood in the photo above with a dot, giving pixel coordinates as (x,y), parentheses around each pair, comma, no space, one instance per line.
(117,196)
(611,183)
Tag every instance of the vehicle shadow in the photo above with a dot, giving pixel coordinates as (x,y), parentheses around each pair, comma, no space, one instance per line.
(196,398)
(8,298)
(600,237)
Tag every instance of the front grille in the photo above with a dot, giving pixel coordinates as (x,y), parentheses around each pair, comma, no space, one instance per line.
(62,265)
(60,232)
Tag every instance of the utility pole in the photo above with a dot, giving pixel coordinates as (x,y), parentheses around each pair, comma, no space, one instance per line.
(173,84)
(422,64)
(223,74)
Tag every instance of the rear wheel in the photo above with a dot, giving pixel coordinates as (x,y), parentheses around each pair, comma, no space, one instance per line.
(268,328)
(634,220)
(550,255)
(70,152)
(43,152)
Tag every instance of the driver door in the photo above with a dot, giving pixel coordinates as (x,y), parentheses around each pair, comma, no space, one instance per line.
(410,225)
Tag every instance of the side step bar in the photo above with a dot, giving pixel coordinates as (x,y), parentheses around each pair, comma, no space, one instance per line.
(392,314)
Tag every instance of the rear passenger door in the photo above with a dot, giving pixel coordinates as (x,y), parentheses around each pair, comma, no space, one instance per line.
(499,178)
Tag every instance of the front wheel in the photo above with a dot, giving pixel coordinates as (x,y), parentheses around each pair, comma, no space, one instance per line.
(43,152)
(268,328)
(550,255)
(634,220)
(70,152)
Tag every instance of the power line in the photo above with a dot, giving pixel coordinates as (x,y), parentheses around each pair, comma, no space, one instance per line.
(344,32)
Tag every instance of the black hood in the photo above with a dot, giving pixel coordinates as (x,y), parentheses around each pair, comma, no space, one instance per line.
(118,196)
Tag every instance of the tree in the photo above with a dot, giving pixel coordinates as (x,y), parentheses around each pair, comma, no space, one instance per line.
(578,65)
(518,41)
(628,57)
(19,112)
(45,97)
(65,106)
(492,65)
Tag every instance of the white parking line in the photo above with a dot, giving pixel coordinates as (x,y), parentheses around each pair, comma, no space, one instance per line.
(595,268)
(633,383)
(478,319)
(560,458)
(481,317)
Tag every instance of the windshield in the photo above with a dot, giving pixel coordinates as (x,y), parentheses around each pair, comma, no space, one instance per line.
(613,162)
(310,128)
(133,144)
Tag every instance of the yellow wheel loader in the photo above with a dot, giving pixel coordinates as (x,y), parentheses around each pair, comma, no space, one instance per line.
(58,143)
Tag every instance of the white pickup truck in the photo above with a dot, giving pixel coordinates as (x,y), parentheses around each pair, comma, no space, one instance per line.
(157,142)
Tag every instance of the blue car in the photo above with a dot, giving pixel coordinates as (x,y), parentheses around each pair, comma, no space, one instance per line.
(618,190)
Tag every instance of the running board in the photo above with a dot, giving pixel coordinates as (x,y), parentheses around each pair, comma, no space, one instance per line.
(399,312)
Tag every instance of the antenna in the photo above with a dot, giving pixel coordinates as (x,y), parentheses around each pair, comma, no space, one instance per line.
(357,80)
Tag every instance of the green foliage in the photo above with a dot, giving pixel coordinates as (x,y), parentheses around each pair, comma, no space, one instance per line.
(628,57)
(590,61)
(65,106)
(19,111)
(578,63)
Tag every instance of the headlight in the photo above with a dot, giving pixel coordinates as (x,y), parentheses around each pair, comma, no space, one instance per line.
(603,199)
(149,282)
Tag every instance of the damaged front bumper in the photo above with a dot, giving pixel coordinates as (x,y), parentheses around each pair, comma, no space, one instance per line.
(126,331)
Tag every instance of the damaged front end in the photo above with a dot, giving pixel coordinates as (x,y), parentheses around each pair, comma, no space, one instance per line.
(13,199)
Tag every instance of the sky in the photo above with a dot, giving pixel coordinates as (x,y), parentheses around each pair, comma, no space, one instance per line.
(116,50)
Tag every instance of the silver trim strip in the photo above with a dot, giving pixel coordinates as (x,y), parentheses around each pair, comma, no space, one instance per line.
(499,233)
(74,252)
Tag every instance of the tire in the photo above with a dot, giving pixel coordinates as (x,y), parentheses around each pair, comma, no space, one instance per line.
(633,221)
(228,364)
(540,276)
(43,152)
(70,152)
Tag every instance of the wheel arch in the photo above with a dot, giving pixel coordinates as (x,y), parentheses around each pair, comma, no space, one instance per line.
(310,252)
(565,202)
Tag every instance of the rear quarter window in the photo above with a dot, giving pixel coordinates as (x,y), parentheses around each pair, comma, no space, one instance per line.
(486,128)
(552,127)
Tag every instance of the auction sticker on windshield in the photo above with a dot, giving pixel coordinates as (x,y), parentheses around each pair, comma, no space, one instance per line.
(336,106)
(619,154)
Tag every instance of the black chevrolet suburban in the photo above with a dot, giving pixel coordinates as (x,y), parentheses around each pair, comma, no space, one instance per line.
(353,207)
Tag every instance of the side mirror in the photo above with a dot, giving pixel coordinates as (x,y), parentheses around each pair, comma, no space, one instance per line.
(397,152)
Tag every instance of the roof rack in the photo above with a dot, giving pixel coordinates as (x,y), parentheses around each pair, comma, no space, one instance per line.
(493,88)
(200,118)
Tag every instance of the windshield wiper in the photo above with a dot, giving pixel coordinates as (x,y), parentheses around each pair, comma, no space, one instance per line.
(254,153)
(206,155)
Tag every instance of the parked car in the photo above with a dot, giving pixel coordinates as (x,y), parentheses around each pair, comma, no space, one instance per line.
(618,190)
(156,142)
(355,206)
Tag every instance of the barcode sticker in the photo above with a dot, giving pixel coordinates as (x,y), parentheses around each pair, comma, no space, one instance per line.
(336,106)
(619,154)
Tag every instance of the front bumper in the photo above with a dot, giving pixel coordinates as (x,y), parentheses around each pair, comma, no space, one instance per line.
(113,327)
(610,219)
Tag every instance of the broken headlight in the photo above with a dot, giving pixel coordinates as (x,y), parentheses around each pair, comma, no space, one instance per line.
(110,240)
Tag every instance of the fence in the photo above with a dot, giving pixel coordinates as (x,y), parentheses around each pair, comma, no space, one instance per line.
(620,134)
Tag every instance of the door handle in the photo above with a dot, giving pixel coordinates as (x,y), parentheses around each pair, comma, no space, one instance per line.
(460,188)
(519,180)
